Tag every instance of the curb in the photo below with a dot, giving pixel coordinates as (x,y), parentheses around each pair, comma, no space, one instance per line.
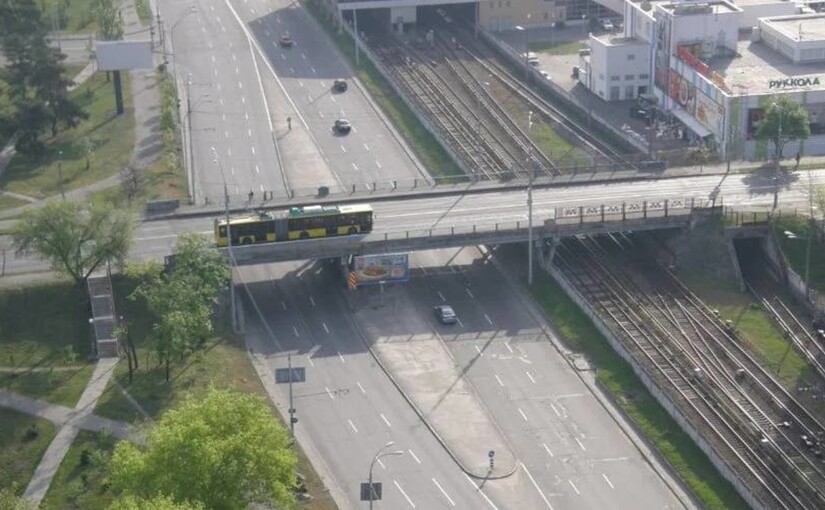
(415,408)
(648,452)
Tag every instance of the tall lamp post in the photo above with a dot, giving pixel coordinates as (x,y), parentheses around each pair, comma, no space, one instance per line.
(778,158)
(378,455)
(229,244)
(531,173)
(526,50)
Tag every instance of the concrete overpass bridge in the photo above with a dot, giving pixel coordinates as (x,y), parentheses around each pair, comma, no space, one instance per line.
(563,222)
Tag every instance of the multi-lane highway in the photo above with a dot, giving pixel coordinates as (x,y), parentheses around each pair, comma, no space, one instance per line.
(268,109)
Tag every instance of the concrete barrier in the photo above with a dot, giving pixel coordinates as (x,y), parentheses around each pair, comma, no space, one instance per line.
(154,206)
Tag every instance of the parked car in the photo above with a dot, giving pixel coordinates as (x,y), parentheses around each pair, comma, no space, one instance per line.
(286,41)
(342,126)
(339,85)
(606,24)
(445,314)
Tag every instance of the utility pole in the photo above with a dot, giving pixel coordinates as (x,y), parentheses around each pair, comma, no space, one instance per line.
(529,204)
(228,244)
(778,159)
(811,229)
(355,26)
(292,419)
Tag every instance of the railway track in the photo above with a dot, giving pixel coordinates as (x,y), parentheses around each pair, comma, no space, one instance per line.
(486,58)
(764,422)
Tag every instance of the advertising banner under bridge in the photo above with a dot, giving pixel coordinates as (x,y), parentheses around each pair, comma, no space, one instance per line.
(378,269)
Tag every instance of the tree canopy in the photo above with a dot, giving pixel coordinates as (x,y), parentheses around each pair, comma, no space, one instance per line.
(181,296)
(37,89)
(157,502)
(75,238)
(223,451)
(784,122)
(109,20)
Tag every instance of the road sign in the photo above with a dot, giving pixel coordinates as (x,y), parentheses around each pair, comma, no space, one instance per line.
(298,375)
(491,453)
(376,491)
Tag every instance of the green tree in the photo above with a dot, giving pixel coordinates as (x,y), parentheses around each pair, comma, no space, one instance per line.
(76,239)
(224,451)
(109,20)
(9,500)
(181,296)
(784,121)
(34,75)
(157,502)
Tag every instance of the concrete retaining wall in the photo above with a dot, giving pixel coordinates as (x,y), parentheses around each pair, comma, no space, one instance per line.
(664,400)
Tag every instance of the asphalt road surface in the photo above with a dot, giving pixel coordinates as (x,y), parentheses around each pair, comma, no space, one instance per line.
(348,407)
(154,239)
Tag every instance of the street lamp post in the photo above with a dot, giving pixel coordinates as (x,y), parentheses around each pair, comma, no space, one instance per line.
(529,203)
(229,244)
(378,455)
(526,50)
(778,158)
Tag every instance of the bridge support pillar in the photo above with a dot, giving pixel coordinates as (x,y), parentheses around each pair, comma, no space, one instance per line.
(736,268)
(548,251)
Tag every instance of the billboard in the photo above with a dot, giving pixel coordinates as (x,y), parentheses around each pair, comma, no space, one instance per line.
(683,92)
(123,55)
(710,114)
(378,269)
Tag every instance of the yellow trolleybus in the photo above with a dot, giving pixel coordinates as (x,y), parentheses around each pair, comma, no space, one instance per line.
(296,223)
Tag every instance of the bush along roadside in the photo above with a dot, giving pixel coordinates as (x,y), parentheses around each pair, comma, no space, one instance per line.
(617,378)
(169,123)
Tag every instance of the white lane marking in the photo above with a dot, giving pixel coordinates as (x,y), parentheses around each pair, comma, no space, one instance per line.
(253,147)
(313,70)
(381,464)
(385,419)
(324,324)
(303,55)
(331,396)
(606,479)
(461,324)
(311,300)
(295,330)
(353,426)
(507,344)
(367,147)
(232,170)
(209,44)
(355,167)
(309,358)
(343,149)
(226,134)
(219,87)
(237,70)
(310,98)
(377,163)
(213,61)
(452,503)
(555,410)
(499,380)
(404,493)
(332,98)
(283,57)
(252,10)
(257,170)
(574,486)
(478,489)
(321,114)
(547,449)
(341,357)
(361,388)
(522,414)
(240,85)
(283,305)
(249,134)
(243,99)
(234,58)
(580,443)
(470,293)
(442,297)
(488,319)
(478,350)
(229,152)
(543,497)
(300,83)
(218,19)
(261,186)
(414,456)
(529,376)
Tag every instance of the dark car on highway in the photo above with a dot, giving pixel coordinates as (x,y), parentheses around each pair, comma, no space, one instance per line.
(286,41)
(339,85)
(445,314)
(342,126)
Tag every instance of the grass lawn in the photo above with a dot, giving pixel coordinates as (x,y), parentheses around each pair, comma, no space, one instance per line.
(429,151)
(79,15)
(223,363)
(110,136)
(43,325)
(80,481)
(19,454)
(62,387)
(9,202)
(617,377)
(557,48)
(558,149)
(796,249)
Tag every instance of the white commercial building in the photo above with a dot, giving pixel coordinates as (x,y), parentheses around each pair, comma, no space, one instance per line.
(715,66)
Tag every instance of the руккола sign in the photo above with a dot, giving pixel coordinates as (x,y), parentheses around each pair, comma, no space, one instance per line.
(784,83)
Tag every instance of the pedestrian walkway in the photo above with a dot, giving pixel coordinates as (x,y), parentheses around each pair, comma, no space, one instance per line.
(73,421)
